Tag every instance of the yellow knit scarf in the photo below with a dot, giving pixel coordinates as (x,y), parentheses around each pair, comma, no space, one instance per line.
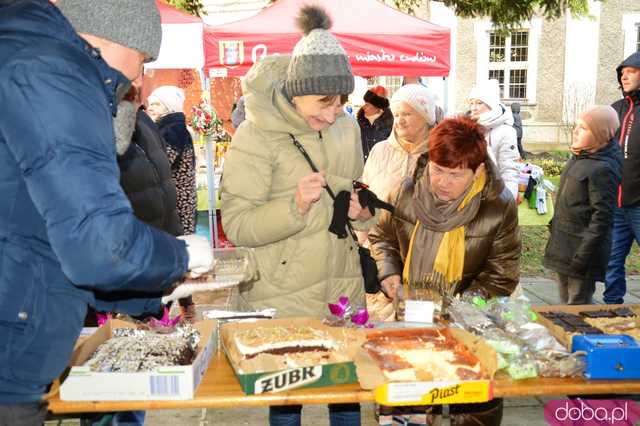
(449,261)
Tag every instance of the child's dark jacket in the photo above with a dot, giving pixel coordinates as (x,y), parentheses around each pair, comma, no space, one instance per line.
(580,241)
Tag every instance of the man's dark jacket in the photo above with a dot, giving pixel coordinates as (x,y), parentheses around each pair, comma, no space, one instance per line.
(628,135)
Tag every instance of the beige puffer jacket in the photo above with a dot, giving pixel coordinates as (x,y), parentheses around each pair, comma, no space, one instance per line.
(388,164)
(302,266)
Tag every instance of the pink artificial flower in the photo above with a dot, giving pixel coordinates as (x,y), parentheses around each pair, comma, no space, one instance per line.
(361,317)
(102,318)
(340,308)
(166,320)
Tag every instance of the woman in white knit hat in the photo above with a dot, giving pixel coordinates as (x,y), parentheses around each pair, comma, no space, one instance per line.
(165,100)
(413,108)
(390,161)
(165,107)
(501,136)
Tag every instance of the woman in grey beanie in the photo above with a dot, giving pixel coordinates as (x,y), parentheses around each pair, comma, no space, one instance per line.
(273,201)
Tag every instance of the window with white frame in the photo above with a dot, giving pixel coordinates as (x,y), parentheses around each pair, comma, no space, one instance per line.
(508,62)
(631,31)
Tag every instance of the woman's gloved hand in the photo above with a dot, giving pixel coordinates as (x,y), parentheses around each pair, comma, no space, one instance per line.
(200,254)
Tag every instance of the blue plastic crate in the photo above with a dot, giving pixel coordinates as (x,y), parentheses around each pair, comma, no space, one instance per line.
(609,356)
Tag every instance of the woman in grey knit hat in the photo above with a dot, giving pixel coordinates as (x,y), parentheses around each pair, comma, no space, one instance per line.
(273,201)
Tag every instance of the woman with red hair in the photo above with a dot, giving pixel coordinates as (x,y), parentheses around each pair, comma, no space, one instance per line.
(456,213)
(454,230)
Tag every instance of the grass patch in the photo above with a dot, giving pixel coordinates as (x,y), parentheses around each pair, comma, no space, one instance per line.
(534,238)
(534,241)
(555,180)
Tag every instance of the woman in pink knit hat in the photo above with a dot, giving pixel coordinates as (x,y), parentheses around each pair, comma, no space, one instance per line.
(580,243)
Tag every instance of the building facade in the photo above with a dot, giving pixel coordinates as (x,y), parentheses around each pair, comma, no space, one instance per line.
(553,68)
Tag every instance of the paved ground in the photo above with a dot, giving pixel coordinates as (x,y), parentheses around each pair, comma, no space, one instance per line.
(518,411)
(542,291)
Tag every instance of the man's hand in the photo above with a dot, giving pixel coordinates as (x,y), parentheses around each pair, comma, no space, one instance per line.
(356,211)
(179,292)
(390,285)
(200,254)
(310,188)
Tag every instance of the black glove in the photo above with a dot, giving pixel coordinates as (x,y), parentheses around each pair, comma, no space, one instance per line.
(369,200)
(340,214)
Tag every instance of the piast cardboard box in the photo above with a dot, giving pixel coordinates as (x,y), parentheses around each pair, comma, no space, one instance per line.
(164,383)
(264,373)
(590,319)
(425,390)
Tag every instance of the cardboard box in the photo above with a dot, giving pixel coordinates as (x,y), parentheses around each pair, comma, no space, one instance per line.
(165,383)
(431,392)
(269,380)
(564,337)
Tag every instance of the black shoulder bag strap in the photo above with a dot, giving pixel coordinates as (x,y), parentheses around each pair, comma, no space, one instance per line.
(367,263)
(305,154)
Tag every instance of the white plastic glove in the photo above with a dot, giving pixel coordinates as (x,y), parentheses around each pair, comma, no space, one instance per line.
(200,254)
(180,292)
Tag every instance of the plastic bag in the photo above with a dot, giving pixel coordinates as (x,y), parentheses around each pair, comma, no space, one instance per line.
(525,348)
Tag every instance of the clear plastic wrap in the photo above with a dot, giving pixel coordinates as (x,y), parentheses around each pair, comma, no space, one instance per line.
(231,267)
(432,287)
(525,348)
(235,308)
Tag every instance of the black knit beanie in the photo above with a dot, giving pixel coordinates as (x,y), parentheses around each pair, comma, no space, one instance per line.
(379,102)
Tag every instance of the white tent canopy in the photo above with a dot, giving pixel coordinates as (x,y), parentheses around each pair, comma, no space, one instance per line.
(182,40)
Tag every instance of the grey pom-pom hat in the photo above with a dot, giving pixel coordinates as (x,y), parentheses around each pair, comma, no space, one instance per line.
(319,65)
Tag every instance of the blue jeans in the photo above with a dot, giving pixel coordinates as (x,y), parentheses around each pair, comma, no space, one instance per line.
(626,228)
(339,415)
(121,418)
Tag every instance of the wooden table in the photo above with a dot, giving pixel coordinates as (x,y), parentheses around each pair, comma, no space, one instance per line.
(220,389)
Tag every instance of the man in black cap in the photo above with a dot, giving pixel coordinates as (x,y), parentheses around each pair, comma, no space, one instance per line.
(67,231)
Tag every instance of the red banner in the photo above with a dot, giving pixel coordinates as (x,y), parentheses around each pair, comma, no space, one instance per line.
(378,39)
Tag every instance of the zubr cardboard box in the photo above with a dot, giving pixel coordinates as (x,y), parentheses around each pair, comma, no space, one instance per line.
(165,383)
(430,392)
(260,378)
